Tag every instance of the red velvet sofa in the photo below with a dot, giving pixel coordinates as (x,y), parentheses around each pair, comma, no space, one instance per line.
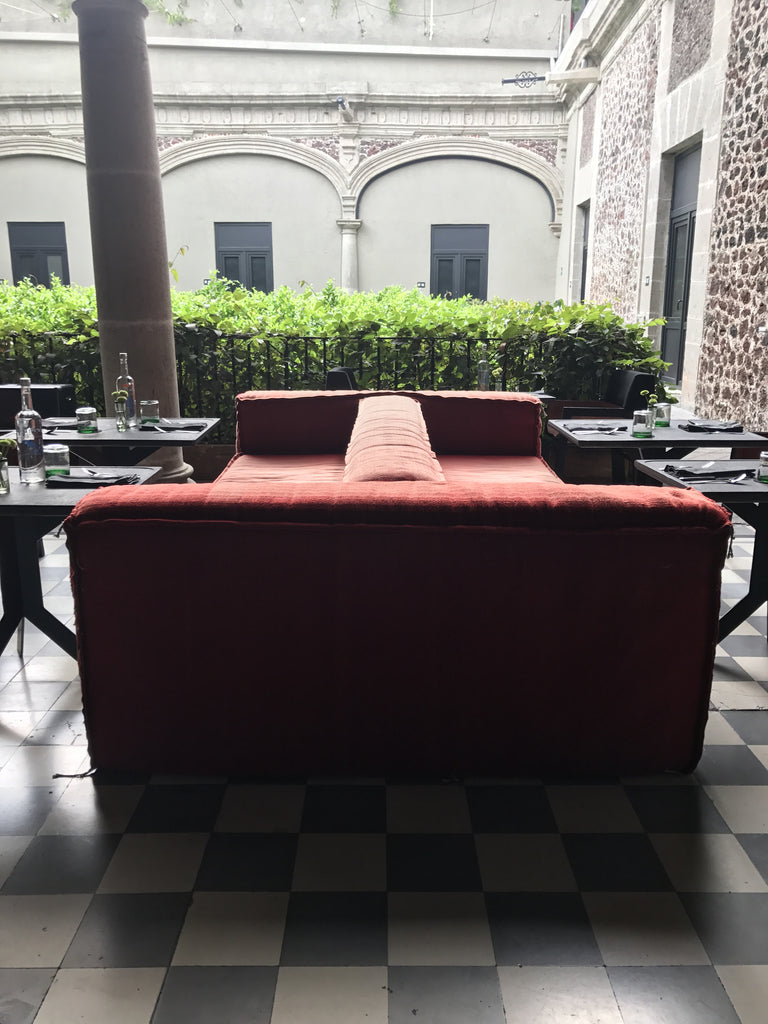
(295,617)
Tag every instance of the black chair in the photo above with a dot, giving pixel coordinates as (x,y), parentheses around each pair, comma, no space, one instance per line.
(340,378)
(622,397)
(47,399)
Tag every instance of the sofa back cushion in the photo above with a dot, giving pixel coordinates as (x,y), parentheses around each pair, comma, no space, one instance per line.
(295,422)
(482,422)
(390,442)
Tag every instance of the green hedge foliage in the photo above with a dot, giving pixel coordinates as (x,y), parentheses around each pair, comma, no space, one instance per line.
(229,339)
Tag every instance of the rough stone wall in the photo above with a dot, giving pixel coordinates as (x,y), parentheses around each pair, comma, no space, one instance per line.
(691,38)
(545,148)
(587,130)
(624,154)
(733,368)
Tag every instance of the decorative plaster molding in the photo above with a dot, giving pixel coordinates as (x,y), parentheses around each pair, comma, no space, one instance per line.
(508,155)
(42,145)
(258,145)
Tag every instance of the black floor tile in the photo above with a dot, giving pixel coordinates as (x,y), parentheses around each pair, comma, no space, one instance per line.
(136,930)
(247,862)
(24,809)
(335,929)
(671,995)
(725,765)
(444,995)
(541,928)
(756,846)
(177,808)
(752,726)
(217,995)
(675,809)
(344,809)
(62,864)
(22,990)
(733,927)
(615,863)
(745,646)
(432,863)
(510,809)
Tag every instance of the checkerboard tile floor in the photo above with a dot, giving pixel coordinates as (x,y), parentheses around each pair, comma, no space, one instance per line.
(179,901)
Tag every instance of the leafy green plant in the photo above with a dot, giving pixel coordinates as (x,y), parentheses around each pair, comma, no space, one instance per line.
(229,339)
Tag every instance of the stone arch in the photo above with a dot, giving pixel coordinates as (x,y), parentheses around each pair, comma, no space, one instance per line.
(506,154)
(65,149)
(228,145)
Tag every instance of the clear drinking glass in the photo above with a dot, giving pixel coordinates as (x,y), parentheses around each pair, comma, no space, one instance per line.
(56,459)
(149,410)
(642,423)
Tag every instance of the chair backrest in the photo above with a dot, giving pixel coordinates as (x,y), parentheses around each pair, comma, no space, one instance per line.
(340,378)
(624,389)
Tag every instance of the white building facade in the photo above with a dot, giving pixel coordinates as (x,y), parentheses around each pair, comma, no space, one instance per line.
(301,143)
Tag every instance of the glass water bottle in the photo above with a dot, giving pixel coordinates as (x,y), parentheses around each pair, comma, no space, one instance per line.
(125,383)
(29,437)
(483,369)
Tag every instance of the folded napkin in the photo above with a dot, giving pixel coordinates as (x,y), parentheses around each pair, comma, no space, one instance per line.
(180,425)
(600,429)
(64,480)
(59,423)
(706,474)
(713,426)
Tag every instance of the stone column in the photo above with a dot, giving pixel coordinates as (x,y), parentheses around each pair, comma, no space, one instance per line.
(349,272)
(130,254)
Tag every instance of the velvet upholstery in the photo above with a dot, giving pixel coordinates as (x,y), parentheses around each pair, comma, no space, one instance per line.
(488,626)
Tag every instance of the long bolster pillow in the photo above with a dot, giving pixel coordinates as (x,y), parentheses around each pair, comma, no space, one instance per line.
(389,441)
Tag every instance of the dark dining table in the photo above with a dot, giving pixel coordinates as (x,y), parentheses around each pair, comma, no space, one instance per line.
(615,435)
(27,513)
(733,483)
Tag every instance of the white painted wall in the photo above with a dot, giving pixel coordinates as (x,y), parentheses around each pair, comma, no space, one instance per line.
(41,188)
(301,206)
(398,209)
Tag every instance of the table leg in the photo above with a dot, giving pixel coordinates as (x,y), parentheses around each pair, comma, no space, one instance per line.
(20,581)
(757,517)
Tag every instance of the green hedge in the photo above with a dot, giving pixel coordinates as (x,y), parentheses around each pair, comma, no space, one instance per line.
(229,339)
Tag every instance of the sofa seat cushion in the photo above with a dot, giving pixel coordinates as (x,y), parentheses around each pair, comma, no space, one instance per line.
(389,441)
(308,469)
(501,469)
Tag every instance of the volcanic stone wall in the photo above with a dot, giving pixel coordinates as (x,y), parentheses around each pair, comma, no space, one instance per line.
(628,90)
(691,38)
(733,368)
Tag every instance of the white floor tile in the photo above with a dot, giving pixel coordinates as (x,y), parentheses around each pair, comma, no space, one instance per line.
(698,862)
(558,995)
(747,988)
(643,929)
(233,928)
(155,862)
(85,809)
(118,996)
(739,695)
(37,766)
(744,808)
(35,931)
(331,995)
